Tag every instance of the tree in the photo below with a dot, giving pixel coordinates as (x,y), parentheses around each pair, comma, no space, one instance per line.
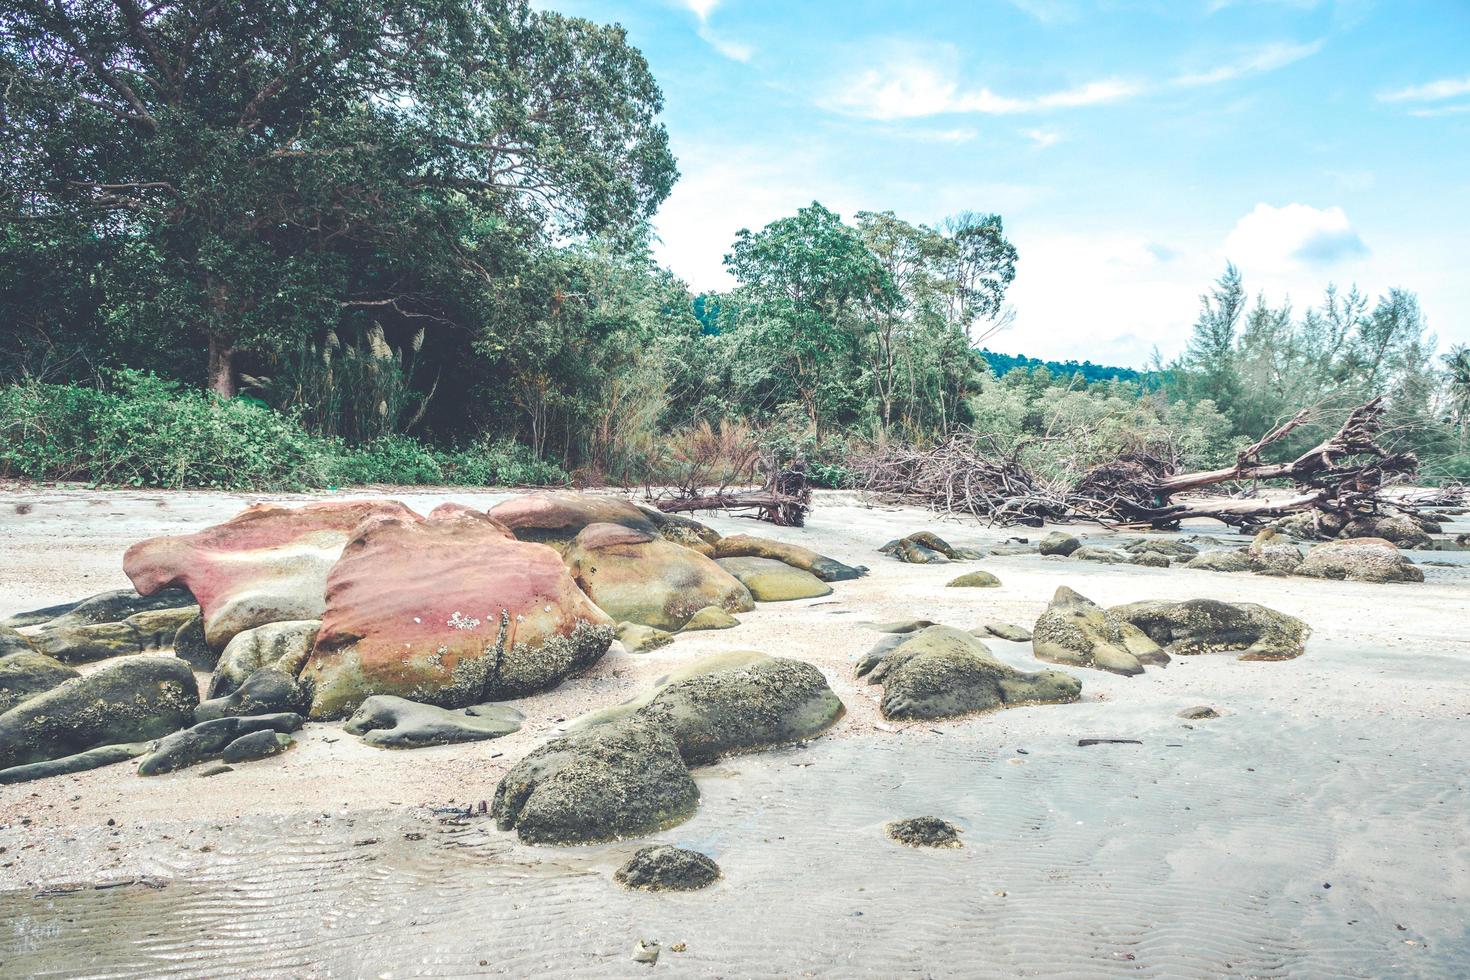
(1210,356)
(1457,371)
(276,168)
(803,280)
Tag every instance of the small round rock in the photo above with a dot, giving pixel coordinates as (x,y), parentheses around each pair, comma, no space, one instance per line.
(1199,712)
(925,832)
(665,868)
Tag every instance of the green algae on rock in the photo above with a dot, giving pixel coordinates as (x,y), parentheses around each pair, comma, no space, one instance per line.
(1076,632)
(770,580)
(942,672)
(750,546)
(665,868)
(1211,626)
(129,700)
(29,673)
(924,832)
(974,580)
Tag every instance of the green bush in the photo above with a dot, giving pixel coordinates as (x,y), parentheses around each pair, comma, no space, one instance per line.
(391,459)
(141,431)
(500,463)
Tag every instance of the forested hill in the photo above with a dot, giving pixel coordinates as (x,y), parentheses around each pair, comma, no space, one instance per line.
(1001,363)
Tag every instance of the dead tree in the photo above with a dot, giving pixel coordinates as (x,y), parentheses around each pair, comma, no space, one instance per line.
(1344,474)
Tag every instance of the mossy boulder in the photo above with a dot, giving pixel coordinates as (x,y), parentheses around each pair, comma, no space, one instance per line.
(1401,531)
(974,580)
(191,647)
(270,690)
(1359,560)
(924,832)
(208,739)
(1076,632)
(637,638)
(1059,543)
(12,642)
(1169,547)
(1099,553)
(1221,560)
(927,548)
(750,546)
(157,628)
(256,745)
(732,702)
(637,577)
(1150,559)
(1003,631)
(29,673)
(710,618)
(130,700)
(1272,554)
(106,607)
(943,672)
(665,868)
(1211,626)
(622,779)
(770,580)
(284,646)
(623,771)
(395,723)
(90,643)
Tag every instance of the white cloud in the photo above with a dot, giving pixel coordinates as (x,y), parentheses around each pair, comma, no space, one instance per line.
(701,8)
(1048,11)
(734,50)
(911,86)
(1444,88)
(911,83)
(1042,137)
(1443,110)
(1295,234)
(1267,58)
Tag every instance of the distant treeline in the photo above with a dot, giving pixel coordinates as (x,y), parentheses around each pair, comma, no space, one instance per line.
(1000,364)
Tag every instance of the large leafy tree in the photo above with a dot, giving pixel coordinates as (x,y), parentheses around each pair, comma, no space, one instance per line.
(806,282)
(270,169)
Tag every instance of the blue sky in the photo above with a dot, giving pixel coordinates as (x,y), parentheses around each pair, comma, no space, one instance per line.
(1131,146)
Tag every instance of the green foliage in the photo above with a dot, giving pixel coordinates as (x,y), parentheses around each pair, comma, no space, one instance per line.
(143,431)
(255,175)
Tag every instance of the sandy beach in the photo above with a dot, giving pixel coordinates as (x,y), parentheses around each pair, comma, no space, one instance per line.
(1321,826)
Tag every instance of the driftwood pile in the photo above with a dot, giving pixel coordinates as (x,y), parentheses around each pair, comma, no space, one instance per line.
(1343,475)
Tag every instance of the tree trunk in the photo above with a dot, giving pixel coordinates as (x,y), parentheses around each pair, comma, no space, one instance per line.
(221,367)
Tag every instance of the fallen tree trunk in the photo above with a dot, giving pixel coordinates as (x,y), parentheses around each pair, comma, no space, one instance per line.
(772,507)
(1344,473)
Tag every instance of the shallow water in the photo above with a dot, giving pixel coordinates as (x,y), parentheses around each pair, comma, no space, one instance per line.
(1202,852)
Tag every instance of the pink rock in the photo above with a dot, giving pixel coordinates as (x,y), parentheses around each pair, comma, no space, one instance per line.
(415,609)
(267,564)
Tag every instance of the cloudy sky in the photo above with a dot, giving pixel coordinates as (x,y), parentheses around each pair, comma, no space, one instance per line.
(1132,146)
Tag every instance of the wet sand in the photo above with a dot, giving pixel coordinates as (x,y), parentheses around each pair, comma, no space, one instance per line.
(1204,851)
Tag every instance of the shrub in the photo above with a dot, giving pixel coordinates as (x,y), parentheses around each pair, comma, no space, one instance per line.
(500,463)
(393,459)
(142,431)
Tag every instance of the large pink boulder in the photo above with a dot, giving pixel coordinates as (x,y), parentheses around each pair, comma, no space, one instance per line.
(557,518)
(267,564)
(451,611)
